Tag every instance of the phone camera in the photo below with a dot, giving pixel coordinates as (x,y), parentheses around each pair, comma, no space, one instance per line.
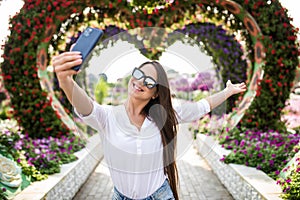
(87,32)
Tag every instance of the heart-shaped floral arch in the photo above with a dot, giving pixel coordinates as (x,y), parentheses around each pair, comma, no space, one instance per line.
(270,39)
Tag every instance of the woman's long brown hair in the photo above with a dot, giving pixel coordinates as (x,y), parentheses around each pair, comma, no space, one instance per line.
(164,116)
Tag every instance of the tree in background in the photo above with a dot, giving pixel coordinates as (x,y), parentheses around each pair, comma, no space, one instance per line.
(101,89)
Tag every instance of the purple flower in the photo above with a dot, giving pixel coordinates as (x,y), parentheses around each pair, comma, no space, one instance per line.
(18,145)
(258,167)
(70,148)
(242,143)
(37,151)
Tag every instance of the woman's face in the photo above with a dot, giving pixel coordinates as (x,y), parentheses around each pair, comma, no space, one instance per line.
(137,87)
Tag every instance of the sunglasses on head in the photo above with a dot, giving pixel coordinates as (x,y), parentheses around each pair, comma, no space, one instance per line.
(149,82)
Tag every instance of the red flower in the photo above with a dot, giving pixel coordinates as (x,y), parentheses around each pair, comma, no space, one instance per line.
(273,51)
(17,49)
(49,20)
(28,22)
(279,84)
(281,76)
(292,38)
(268,81)
(258,93)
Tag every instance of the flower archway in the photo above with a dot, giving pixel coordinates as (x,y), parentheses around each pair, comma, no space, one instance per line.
(271,50)
(26,53)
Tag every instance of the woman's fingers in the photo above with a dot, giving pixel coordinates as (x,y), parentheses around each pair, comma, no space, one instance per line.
(72,46)
(65,57)
(68,65)
(236,88)
(67,73)
(66,60)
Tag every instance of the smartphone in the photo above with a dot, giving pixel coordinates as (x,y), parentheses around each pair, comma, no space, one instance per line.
(86,43)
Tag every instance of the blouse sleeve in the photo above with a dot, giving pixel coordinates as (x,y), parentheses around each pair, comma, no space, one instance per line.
(97,119)
(191,111)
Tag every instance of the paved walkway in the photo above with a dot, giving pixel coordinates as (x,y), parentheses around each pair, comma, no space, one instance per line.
(197,180)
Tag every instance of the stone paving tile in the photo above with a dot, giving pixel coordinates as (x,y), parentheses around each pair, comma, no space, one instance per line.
(197,181)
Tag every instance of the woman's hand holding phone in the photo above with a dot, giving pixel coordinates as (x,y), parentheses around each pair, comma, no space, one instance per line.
(86,43)
(63,65)
(67,64)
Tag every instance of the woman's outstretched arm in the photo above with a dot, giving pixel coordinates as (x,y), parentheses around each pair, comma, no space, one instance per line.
(62,66)
(219,97)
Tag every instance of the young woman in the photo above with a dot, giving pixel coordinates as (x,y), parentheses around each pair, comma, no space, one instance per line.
(139,136)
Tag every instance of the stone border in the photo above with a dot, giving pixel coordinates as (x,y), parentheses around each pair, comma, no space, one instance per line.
(241,181)
(66,184)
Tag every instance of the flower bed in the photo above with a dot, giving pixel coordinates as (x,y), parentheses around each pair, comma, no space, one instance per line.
(64,185)
(241,181)
(37,158)
(268,151)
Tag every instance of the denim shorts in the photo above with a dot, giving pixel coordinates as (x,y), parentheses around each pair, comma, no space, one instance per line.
(162,193)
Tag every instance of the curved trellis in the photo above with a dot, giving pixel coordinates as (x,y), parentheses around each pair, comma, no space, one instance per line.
(224,50)
(26,50)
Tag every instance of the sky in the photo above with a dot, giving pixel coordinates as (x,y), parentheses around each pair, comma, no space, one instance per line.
(119,60)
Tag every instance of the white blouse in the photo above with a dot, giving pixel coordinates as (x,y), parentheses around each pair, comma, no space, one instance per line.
(135,157)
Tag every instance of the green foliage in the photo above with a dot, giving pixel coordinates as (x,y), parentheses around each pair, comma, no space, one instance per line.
(101,90)
(8,137)
(28,169)
(200,95)
(3,195)
(291,186)
(268,151)
(149,4)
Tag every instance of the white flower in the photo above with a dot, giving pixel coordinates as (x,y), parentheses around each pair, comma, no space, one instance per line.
(10,173)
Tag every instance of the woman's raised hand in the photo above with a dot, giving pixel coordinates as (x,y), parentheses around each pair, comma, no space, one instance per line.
(63,63)
(235,88)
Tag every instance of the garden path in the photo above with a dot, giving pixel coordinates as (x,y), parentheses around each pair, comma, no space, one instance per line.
(197,180)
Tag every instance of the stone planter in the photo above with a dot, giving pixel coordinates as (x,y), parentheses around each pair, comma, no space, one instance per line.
(64,185)
(241,181)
